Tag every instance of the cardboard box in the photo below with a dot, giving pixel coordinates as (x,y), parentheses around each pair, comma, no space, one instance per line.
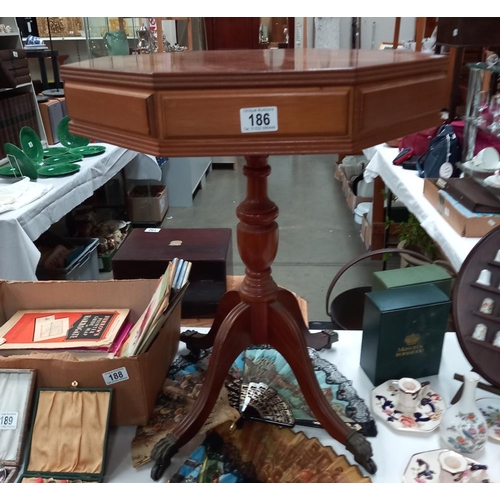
(133,399)
(352,200)
(463,221)
(403,332)
(366,232)
(148,203)
(431,190)
(51,113)
(408,276)
(338,172)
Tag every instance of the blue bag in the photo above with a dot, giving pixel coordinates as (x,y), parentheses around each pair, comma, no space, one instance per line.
(442,156)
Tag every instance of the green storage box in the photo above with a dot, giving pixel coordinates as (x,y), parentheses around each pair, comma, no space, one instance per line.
(409,276)
(69,436)
(403,332)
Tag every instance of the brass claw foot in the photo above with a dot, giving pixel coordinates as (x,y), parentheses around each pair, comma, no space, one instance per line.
(162,454)
(362,451)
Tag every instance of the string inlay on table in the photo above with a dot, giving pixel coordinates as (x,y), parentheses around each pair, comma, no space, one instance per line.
(188,104)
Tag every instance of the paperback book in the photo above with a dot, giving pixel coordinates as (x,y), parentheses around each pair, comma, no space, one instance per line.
(36,330)
(168,293)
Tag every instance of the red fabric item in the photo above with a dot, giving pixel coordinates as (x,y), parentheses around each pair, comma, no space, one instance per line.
(418,141)
(483,139)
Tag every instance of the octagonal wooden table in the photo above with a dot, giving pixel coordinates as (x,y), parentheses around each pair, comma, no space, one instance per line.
(255,104)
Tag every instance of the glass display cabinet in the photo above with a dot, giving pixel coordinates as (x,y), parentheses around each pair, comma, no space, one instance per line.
(112,35)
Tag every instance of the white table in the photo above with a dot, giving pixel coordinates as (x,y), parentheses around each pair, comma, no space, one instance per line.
(409,188)
(19,228)
(391,449)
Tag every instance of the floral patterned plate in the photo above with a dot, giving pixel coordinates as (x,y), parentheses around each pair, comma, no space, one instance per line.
(424,468)
(426,417)
(490,408)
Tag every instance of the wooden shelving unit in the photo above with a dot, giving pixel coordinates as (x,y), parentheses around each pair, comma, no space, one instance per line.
(13,41)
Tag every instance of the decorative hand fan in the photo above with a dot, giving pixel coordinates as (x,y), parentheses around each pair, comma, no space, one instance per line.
(279,400)
(264,453)
(172,405)
(260,386)
(283,402)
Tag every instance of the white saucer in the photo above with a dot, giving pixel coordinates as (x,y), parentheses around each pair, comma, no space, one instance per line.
(469,165)
(493,181)
(426,417)
(424,468)
(490,408)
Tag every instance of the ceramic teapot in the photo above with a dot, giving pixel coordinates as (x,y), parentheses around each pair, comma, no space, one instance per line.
(116,43)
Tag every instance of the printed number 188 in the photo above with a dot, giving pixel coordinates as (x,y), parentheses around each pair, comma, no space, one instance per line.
(115,376)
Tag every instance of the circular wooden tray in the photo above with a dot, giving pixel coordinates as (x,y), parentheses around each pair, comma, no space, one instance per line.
(467,298)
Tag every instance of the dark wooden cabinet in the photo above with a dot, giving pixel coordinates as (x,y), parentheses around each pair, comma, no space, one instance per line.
(228,33)
(145,255)
(468,31)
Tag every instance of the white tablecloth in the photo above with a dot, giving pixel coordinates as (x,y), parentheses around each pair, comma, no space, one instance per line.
(19,228)
(409,188)
(391,449)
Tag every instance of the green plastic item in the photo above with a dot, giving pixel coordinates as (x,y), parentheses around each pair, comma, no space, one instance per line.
(25,165)
(55,151)
(31,144)
(9,171)
(61,159)
(66,138)
(89,150)
(59,170)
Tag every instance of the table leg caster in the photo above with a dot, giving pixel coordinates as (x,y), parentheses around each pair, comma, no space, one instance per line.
(162,454)
(362,451)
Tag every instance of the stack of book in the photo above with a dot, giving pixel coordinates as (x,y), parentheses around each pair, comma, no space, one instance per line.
(14,68)
(169,291)
(15,113)
(96,333)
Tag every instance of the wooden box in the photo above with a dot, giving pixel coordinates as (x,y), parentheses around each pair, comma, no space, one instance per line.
(146,254)
(409,276)
(403,332)
(468,31)
(16,395)
(68,436)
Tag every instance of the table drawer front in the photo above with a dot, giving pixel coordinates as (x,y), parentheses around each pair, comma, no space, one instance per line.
(211,114)
(112,108)
(386,104)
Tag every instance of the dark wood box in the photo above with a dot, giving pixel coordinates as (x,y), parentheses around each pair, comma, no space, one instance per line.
(468,31)
(145,254)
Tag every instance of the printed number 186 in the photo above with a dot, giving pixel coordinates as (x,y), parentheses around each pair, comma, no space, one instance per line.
(260,119)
